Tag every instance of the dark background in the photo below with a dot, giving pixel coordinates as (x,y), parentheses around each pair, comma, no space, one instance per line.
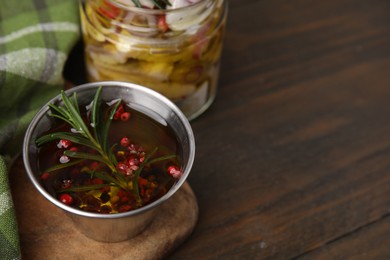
(293,157)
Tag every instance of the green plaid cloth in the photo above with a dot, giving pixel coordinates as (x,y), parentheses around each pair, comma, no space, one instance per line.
(36,37)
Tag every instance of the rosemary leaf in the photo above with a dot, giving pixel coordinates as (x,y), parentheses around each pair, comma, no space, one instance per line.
(106,177)
(111,155)
(62,118)
(58,110)
(86,187)
(75,103)
(95,115)
(75,116)
(104,129)
(60,113)
(63,165)
(87,156)
(67,136)
(162,158)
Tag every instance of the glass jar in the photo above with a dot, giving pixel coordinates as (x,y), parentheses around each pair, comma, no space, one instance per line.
(174,50)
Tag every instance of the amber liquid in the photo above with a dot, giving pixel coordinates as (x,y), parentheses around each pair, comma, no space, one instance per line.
(143,131)
(184,67)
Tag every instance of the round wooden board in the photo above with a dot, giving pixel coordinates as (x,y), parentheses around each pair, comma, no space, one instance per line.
(46,232)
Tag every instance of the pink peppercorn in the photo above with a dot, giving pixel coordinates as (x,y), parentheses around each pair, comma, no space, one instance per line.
(64,159)
(45,176)
(64,143)
(125,116)
(125,141)
(174,171)
(66,198)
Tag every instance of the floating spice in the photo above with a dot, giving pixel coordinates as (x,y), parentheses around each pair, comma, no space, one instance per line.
(107,157)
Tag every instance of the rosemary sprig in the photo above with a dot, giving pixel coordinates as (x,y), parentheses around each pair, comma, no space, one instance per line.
(62,166)
(94,137)
(70,113)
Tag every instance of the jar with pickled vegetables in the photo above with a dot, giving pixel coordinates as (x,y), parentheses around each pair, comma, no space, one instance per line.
(171,46)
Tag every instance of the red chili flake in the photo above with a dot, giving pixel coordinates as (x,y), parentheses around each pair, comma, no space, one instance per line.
(45,176)
(125,116)
(119,112)
(121,194)
(94,165)
(109,10)
(162,23)
(142,181)
(125,141)
(142,185)
(66,198)
(64,143)
(97,181)
(124,208)
(73,149)
(202,43)
(174,171)
(106,189)
(124,199)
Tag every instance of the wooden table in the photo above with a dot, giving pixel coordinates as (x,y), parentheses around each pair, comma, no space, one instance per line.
(293,157)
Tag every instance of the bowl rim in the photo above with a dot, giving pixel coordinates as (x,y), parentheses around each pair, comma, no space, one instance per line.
(94,85)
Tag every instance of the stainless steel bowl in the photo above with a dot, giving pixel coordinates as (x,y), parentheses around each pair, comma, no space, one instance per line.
(120,226)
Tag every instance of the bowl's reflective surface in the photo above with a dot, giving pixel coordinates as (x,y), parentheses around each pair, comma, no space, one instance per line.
(120,226)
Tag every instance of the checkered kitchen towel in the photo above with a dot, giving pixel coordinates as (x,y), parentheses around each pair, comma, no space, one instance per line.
(35,38)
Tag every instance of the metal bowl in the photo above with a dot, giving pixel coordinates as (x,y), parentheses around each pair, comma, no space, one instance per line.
(120,226)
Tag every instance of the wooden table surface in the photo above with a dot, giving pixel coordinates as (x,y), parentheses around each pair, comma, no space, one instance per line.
(293,157)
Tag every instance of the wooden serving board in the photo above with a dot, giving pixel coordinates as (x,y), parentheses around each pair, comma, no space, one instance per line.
(46,232)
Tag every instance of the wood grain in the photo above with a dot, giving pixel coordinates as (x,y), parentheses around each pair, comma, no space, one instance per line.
(293,157)
(46,232)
